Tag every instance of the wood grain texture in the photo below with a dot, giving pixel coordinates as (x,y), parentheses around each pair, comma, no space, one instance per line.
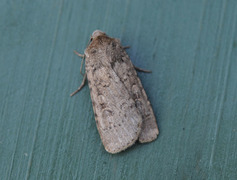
(191,48)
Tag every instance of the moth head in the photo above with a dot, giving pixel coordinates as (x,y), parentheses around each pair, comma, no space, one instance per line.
(97,33)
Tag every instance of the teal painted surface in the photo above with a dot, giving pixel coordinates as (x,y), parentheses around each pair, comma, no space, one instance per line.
(191,48)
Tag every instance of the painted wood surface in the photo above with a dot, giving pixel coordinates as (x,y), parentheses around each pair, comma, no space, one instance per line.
(191,48)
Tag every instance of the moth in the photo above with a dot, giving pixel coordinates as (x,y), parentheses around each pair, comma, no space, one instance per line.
(122,111)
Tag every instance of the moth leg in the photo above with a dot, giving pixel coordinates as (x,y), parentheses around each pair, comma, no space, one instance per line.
(82,66)
(83,58)
(141,70)
(80,55)
(126,47)
(81,86)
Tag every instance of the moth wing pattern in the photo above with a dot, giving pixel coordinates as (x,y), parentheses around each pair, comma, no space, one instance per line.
(123,67)
(118,120)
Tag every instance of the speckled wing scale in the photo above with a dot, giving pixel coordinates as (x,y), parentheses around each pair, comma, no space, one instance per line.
(122,111)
